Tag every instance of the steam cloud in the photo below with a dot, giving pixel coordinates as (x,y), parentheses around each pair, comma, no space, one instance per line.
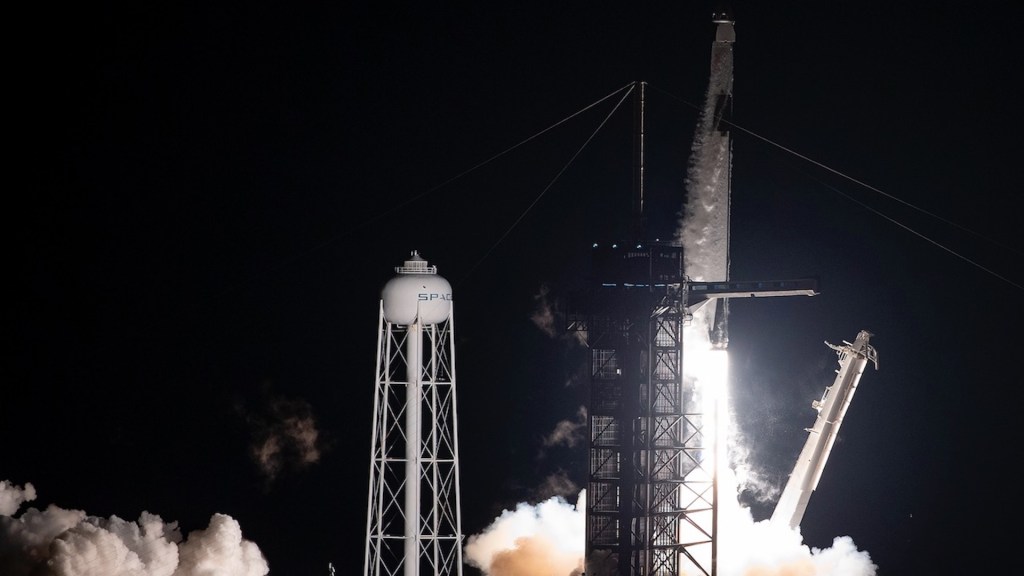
(542,540)
(59,542)
(749,548)
(569,433)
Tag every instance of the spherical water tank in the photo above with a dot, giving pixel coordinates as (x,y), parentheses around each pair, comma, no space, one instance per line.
(417,291)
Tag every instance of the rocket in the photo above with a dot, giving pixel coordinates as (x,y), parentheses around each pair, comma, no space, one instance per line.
(831,410)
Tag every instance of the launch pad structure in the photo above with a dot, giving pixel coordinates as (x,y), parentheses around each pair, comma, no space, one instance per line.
(652,487)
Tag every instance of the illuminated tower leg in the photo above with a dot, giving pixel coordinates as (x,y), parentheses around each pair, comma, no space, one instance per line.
(412,433)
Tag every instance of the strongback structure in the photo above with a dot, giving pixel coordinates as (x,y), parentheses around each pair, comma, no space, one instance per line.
(413,518)
(831,409)
(651,486)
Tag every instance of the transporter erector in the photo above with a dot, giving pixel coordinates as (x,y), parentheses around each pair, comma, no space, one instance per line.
(831,410)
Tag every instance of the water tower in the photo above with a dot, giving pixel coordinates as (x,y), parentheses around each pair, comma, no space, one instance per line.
(413,517)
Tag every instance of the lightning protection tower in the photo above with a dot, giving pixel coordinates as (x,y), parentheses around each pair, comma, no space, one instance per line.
(413,517)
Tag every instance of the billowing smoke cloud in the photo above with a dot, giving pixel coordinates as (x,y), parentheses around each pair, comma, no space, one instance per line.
(541,540)
(748,548)
(750,478)
(548,539)
(59,542)
(11,496)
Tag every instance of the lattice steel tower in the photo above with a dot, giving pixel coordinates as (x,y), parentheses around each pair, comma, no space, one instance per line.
(646,435)
(413,518)
(651,489)
(643,443)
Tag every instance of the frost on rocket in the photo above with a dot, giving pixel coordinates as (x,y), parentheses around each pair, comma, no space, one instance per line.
(704,228)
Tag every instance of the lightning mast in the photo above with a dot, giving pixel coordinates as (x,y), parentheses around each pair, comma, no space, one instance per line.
(413,518)
(632,319)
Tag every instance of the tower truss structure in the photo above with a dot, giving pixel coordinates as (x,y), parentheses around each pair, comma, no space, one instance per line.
(649,497)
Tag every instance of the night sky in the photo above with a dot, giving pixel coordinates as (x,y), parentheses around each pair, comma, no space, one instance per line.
(205,201)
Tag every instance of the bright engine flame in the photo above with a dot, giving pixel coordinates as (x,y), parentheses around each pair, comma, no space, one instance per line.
(708,370)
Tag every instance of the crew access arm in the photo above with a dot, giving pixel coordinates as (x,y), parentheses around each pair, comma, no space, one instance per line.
(700,293)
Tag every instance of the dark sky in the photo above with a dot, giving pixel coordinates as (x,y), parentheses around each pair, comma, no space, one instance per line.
(205,201)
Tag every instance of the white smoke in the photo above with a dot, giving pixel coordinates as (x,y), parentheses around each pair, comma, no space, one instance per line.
(11,496)
(59,542)
(748,548)
(546,539)
(750,478)
(569,433)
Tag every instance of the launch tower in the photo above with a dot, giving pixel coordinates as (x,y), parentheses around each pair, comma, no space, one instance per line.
(413,518)
(643,440)
(652,484)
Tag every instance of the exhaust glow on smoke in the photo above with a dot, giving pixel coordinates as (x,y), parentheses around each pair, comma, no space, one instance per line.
(542,540)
